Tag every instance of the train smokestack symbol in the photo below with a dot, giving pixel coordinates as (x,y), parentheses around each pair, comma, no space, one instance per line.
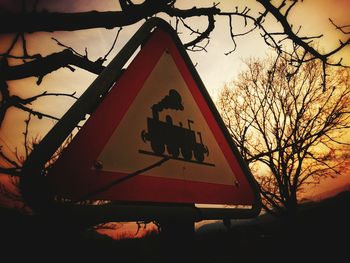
(164,135)
(172,101)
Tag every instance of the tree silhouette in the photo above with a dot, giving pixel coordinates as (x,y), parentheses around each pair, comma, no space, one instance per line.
(289,125)
(20,61)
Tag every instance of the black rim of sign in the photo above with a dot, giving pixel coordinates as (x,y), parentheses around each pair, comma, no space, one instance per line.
(33,188)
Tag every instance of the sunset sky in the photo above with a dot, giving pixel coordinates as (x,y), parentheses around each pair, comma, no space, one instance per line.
(214,67)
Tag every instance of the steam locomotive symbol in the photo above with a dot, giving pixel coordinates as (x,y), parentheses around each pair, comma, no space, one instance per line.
(164,135)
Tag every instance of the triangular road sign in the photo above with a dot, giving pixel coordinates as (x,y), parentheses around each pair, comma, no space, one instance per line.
(155,137)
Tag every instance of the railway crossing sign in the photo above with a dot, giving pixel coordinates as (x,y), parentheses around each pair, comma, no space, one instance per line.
(155,136)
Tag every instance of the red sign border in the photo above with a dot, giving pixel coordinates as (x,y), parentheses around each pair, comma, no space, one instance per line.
(68,122)
(73,177)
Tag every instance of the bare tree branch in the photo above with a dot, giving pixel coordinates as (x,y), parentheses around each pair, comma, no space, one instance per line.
(203,35)
(18,102)
(42,66)
(280,121)
(50,21)
(344,29)
(120,180)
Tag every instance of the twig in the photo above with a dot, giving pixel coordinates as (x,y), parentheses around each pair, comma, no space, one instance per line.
(120,180)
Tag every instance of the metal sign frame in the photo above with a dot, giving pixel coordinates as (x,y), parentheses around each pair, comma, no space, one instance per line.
(33,183)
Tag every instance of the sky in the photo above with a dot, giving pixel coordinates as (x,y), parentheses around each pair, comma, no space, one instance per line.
(214,67)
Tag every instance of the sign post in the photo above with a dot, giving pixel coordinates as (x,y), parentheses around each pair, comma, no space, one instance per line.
(154,143)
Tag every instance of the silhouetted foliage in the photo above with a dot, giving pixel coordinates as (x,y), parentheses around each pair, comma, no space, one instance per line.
(288,124)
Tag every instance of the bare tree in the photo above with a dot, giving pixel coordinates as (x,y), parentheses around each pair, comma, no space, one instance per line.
(287,125)
(18,62)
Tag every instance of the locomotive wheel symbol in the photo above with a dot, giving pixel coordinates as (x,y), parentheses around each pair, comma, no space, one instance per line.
(173,150)
(186,152)
(157,147)
(206,150)
(144,136)
(198,153)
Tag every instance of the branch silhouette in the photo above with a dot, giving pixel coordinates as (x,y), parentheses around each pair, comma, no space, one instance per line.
(120,180)
(20,103)
(50,21)
(42,66)
(282,123)
(131,13)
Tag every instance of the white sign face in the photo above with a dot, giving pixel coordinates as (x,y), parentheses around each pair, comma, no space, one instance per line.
(154,137)
(164,121)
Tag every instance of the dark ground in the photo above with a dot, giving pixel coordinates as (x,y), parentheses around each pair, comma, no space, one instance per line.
(321,233)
